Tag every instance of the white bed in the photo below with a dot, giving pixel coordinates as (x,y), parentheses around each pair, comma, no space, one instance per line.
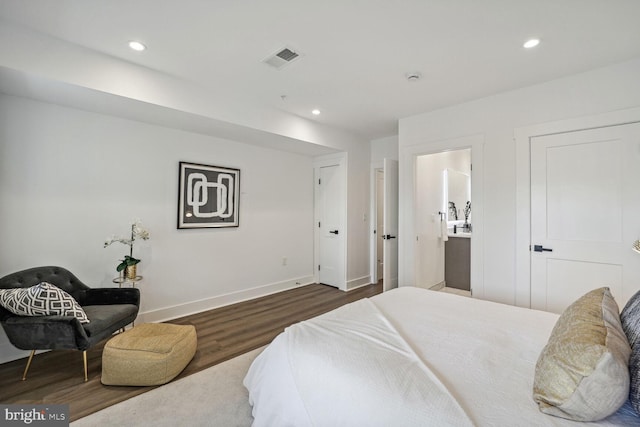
(408,357)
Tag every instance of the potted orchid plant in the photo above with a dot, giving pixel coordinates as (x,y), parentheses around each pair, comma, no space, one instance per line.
(129,263)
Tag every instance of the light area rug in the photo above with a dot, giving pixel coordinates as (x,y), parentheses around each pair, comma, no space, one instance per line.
(212,397)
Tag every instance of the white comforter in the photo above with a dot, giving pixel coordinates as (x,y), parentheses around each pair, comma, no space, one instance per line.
(407,357)
(351,368)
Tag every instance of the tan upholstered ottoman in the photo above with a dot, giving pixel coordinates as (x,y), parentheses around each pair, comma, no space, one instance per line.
(148,354)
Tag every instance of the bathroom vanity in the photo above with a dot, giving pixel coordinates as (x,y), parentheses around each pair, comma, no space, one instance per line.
(457,265)
(457,250)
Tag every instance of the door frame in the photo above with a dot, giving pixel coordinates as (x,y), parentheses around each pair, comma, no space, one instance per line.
(406,216)
(373,224)
(391,201)
(340,160)
(522,139)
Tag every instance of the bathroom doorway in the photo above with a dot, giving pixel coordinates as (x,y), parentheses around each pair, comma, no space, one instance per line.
(444,221)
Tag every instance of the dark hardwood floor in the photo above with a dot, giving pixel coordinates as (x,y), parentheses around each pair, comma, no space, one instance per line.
(56,377)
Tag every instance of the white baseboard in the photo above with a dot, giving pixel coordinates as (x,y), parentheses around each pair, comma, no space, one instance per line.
(199,306)
(436,287)
(358,283)
(8,352)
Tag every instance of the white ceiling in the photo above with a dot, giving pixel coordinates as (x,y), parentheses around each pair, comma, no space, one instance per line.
(355,52)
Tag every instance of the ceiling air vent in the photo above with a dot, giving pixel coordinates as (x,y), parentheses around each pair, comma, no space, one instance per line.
(281,58)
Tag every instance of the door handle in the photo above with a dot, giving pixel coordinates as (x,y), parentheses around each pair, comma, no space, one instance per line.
(388,236)
(539,248)
(333,231)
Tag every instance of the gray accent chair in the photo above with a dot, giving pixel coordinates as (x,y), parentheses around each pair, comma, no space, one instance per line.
(108,309)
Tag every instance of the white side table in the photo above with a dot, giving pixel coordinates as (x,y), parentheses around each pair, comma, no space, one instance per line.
(121,280)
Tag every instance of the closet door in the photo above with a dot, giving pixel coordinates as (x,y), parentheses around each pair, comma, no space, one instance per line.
(331,228)
(585,215)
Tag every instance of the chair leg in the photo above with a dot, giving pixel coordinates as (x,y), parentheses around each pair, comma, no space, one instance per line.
(84,358)
(26,369)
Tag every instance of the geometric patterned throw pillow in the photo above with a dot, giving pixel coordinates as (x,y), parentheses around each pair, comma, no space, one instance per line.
(634,372)
(630,318)
(43,299)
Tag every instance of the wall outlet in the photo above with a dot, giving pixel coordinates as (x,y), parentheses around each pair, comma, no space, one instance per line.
(284,260)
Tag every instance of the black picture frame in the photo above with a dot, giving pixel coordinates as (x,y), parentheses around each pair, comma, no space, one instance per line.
(208,196)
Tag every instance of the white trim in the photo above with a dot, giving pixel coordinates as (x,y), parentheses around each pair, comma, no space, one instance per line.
(438,286)
(340,160)
(8,352)
(522,138)
(407,184)
(358,283)
(193,307)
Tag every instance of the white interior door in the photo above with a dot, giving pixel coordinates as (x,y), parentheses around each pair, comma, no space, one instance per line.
(390,231)
(585,215)
(331,231)
(379,223)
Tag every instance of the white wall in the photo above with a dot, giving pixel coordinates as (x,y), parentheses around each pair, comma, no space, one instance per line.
(69,179)
(384,148)
(495,118)
(358,223)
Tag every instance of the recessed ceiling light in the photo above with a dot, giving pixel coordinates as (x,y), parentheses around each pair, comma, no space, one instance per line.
(137,46)
(531,43)
(315,112)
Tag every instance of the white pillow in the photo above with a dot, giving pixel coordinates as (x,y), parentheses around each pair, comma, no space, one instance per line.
(43,299)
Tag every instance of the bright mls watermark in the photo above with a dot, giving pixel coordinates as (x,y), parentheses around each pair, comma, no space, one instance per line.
(34,415)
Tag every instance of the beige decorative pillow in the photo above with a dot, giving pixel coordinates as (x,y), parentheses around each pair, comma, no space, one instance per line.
(582,373)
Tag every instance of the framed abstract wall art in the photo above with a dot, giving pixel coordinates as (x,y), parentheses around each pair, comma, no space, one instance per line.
(208,196)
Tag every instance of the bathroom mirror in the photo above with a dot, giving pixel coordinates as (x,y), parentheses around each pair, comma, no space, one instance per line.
(457,192)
